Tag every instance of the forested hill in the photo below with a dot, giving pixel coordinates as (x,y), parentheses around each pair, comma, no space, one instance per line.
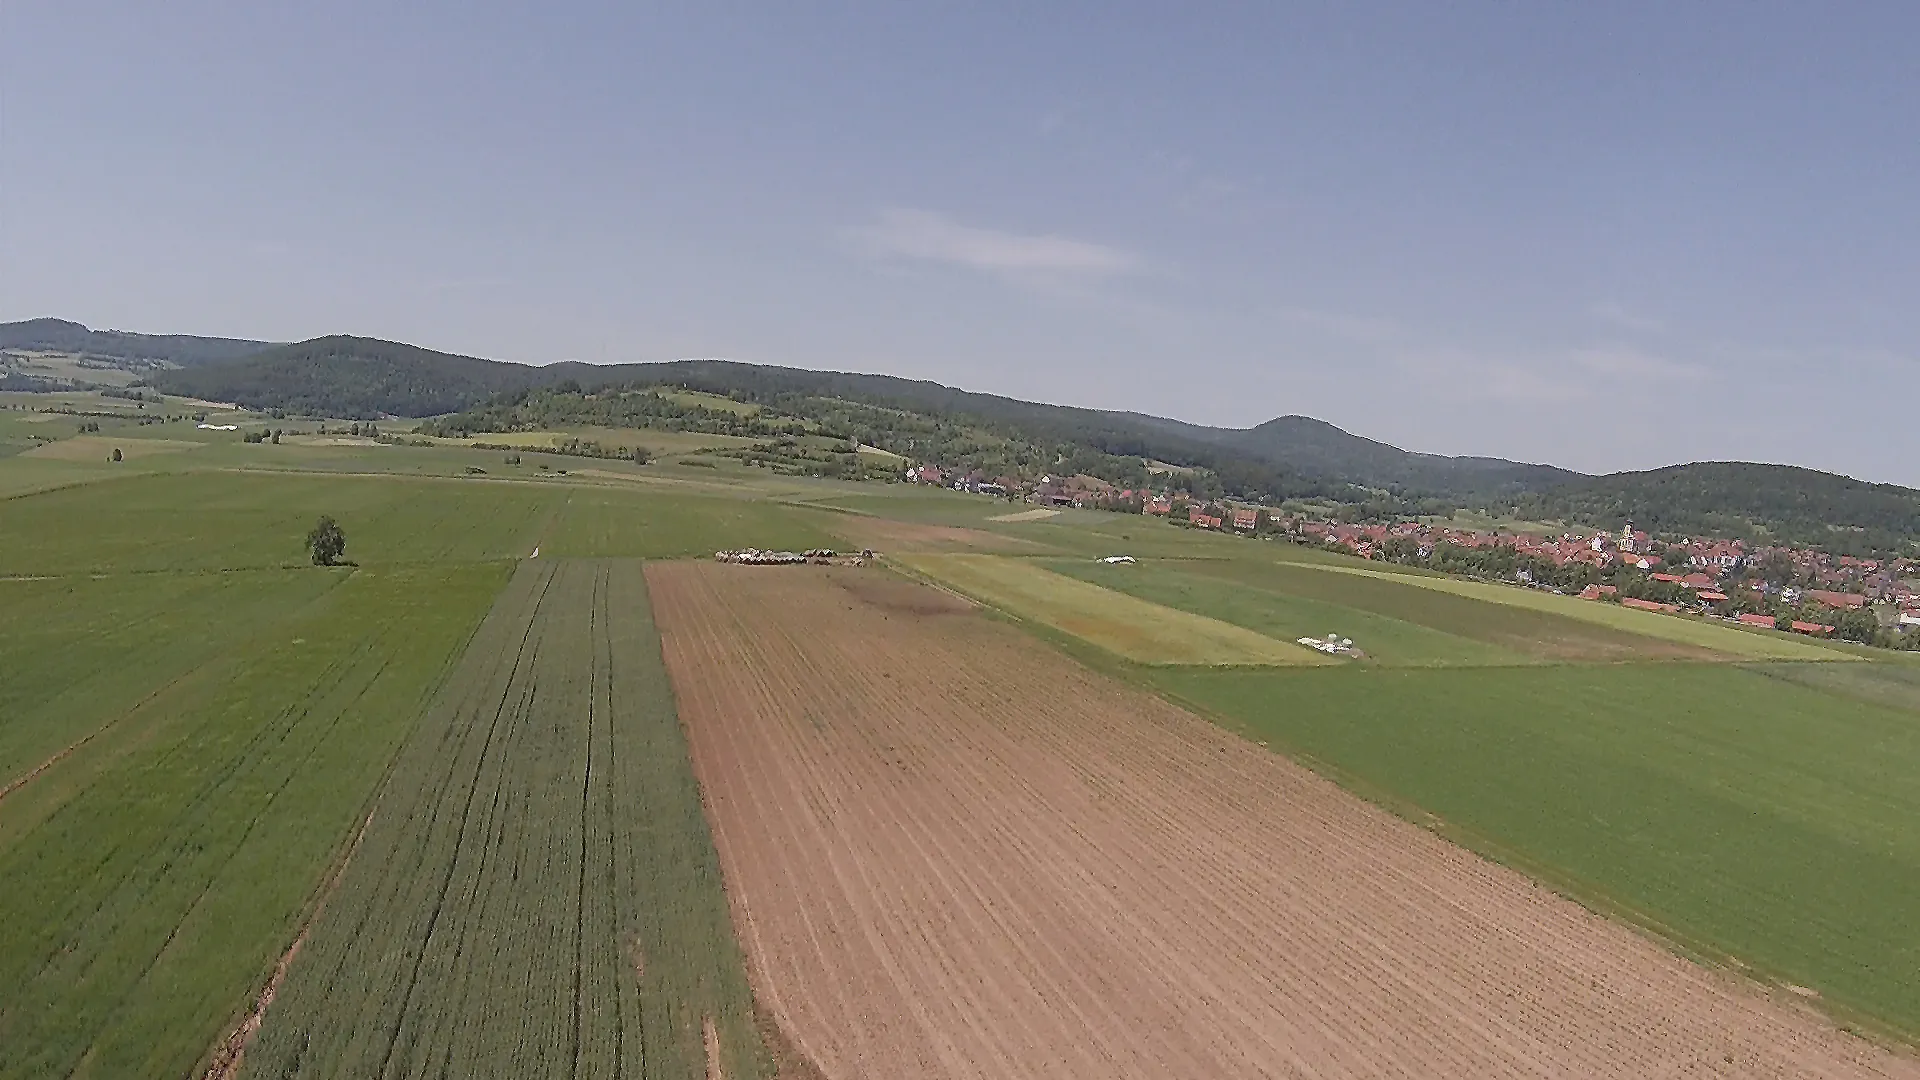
(1780,503)
(352,377)
(61,336)
(1317,447)
(1292,456)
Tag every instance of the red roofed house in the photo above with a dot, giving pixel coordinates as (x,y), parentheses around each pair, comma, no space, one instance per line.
(1812,628)
(1160,504)
(1244,520)
(1844,601)
(1757,620)
(1712,597)
(1648,605)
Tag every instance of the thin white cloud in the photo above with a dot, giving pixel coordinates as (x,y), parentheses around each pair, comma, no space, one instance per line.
(1056,119)
(1620,315)
(1560,377)
(933,237)
(1629,362)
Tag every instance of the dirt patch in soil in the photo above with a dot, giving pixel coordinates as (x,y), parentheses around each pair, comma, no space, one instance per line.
(894,594)
(953,853)
(710,1041)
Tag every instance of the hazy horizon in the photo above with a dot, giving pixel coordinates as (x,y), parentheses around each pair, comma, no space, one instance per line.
(1601,239)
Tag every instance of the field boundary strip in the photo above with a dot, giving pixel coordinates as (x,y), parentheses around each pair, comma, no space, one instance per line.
(230,1052)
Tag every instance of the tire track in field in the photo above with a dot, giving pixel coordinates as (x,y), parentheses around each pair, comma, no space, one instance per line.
(231,1051)
(952,853)
(466,812)
(596,630)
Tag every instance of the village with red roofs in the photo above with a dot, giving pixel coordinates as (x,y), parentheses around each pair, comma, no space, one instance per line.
(1797,589)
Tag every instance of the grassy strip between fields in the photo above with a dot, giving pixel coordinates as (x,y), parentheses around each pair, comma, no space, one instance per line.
(1136,629)
(1688,631)
(537,894)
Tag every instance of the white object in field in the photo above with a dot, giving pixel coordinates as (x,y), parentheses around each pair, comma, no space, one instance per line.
(536,552)
(218,427)
(1115,559)
(1332,644)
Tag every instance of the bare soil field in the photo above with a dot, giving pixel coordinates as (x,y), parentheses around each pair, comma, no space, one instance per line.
(952,852)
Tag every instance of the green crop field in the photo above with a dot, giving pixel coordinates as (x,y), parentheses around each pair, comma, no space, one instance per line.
(1741,816)
(153,875)
(221,520)
(1893,681)
(537,894)
(1547,635)
(1384,640)
(653,524)
(80,652)
(916,503)
(1127,626)
(1731,641)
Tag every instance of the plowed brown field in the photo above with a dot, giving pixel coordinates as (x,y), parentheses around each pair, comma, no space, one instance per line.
(951,852)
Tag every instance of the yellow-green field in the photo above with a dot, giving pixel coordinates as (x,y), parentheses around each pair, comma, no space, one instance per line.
(1140,631)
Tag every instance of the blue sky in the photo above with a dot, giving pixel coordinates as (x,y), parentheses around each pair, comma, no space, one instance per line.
(1607,236)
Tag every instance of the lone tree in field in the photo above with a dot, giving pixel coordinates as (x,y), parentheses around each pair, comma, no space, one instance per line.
(326,542)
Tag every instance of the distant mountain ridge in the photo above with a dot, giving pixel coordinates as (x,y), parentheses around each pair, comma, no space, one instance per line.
(1320,448)
(184,350)
(1289,456)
